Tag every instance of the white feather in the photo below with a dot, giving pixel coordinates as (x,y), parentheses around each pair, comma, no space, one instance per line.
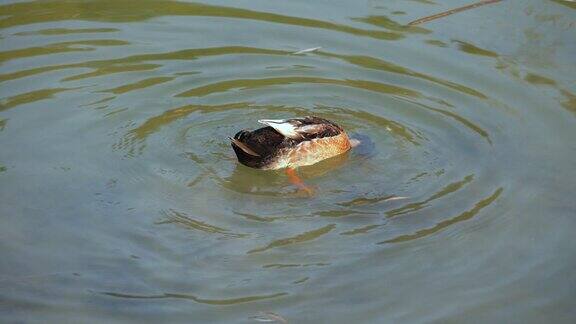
(308,50)
(282,126)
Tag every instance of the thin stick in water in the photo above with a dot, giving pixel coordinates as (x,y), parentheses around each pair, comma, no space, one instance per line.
(451,12)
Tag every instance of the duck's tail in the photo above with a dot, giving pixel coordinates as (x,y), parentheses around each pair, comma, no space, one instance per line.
(354,142)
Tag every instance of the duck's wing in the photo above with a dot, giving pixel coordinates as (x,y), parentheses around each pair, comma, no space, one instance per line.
(299,128)
(286,127)
(243,147)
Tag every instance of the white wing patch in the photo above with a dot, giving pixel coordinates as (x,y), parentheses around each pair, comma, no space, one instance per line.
(283,126)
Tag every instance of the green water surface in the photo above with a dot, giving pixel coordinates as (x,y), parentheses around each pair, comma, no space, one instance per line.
(122,201)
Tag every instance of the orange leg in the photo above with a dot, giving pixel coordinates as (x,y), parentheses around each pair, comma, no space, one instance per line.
(295,180)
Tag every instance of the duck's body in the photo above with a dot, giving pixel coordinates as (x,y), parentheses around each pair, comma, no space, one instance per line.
(290,143)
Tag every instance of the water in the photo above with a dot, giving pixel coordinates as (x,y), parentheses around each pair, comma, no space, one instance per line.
(122,201)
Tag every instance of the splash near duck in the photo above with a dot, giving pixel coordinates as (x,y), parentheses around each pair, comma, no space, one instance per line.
(290,143)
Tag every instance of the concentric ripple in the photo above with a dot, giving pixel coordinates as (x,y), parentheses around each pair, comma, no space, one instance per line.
(121,183)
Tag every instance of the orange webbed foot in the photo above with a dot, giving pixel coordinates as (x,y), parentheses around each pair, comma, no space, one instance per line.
(295,180)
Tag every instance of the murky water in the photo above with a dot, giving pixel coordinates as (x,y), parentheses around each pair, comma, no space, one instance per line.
(121,199)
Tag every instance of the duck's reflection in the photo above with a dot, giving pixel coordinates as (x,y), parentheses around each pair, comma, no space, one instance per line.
(276,182)
(247,180)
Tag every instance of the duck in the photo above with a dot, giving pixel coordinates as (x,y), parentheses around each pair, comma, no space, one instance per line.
(290,144)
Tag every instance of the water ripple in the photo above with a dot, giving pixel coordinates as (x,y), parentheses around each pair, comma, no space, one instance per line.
(116,116)
(449,222)
(221,302)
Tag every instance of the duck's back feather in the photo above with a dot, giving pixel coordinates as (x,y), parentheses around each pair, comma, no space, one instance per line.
(303,128)
(272,146)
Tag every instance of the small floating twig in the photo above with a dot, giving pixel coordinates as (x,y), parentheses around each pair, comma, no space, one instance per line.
(308,50)
(269,317)
(451,12)
(396,198)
